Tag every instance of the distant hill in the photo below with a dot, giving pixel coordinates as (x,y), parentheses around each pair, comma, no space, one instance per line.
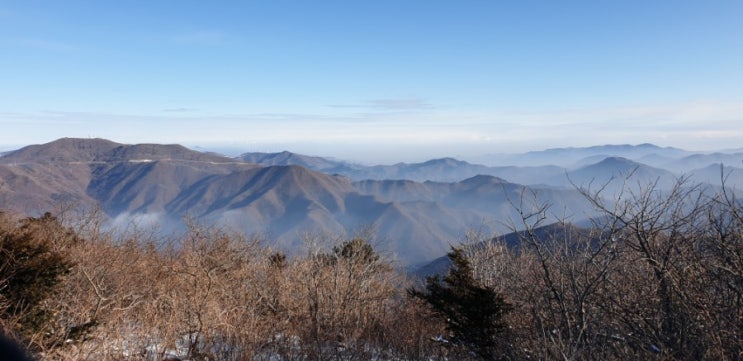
(289,158)
(437,170)
(697,161)
(573,157)
(580,164)
(417,221)
(512,240)
(570,157)
(69,150)
(62,150)
(595,169)
(418,209)
(444,169)
(89,172)
(613,173)
(715,173)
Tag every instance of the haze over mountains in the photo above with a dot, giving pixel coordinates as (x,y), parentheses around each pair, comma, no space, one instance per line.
(557,167)
(417,210)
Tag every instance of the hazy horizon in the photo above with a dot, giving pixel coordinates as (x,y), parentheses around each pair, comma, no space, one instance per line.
(367,156)
(374,81)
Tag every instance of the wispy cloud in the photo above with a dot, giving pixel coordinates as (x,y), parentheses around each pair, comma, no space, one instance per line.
(688,116)
(395,104)
(701,125)
(180,110)
(400,104)
(695,125)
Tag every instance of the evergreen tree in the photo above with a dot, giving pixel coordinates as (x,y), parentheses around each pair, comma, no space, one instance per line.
(473,313)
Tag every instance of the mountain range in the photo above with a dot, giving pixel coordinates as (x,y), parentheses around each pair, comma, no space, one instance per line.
(417,210)
(569,166)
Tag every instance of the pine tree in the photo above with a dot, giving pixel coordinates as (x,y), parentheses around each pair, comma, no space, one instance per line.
(473,313)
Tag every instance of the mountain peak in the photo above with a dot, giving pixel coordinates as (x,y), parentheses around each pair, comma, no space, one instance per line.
(62,150)
(482,179)
(617,161)
(66,150)
(647,145)
(612,164)
(448,161)
(289,158)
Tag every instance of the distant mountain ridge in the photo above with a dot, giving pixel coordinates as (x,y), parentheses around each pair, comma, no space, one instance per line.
(289,158)
(512,240)
(102,150)
(71,170)
(571,156)
(580,165)
(438,170)
(167,182)
(419,209)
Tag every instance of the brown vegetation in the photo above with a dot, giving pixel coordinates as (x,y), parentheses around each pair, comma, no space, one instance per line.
(660,277)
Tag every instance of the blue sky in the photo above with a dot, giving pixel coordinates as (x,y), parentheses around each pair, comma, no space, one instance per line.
(374,80)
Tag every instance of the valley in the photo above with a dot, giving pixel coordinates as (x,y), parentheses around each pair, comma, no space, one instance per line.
(416,210)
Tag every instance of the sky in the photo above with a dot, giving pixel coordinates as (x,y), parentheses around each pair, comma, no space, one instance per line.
(375,81)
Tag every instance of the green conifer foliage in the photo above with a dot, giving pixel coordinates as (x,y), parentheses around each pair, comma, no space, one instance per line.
(473,313)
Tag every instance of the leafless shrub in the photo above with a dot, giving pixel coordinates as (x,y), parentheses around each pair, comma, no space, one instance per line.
(658,276)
